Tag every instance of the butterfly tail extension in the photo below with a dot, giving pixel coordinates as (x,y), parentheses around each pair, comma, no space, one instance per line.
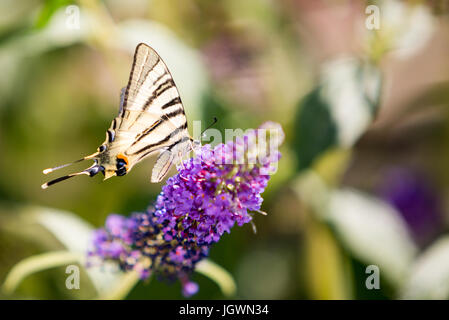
(163,164)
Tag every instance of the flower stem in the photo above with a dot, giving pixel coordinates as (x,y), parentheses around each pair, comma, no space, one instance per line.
(38,263)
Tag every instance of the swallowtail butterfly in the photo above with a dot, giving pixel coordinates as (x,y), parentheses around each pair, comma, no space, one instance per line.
(151,119)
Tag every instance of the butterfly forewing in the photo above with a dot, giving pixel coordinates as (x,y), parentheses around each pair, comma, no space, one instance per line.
(152,116)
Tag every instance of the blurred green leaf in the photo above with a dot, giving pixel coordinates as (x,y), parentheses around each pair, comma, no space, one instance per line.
(35,259)
(338,110)
(75,234)
(406,29)
(369,228)
(351,89)
(35,264)
(373,231)
(315,130)
(48,10)
(15,50)
(326,267)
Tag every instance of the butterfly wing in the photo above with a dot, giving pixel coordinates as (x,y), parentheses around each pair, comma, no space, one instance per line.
(152,116)
(162,165)
(168,156)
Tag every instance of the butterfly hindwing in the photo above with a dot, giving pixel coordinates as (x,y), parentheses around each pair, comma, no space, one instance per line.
(162,165)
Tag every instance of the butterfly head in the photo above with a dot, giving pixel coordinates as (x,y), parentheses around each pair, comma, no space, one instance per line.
(114,163)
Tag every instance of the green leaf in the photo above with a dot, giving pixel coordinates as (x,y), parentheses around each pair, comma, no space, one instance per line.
(315,130)
(48,10)
(373,231)
(369,228)
(338,111)
(325,265)
(38,263)
(75,234)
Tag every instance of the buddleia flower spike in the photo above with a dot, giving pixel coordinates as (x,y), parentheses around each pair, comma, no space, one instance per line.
(213,192)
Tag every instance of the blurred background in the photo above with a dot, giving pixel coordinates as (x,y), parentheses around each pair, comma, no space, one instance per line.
(361,89)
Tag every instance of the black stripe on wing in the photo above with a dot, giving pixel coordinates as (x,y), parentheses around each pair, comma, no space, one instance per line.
(172,102)
(153,146)
(147,131)
(154,95)
(169,148)
(141,79)
(157,92)
(166,85)
(174,113)
(145,60)
(183,139)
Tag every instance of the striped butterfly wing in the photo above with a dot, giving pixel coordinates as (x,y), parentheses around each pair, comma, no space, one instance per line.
(152,116)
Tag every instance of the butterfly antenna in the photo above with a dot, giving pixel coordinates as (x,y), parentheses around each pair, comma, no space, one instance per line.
(49,170)
(195,143)
(91,171)
(210,126)
(52,182)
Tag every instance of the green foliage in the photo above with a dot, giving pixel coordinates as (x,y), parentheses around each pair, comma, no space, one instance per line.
(48,9)
(314,129)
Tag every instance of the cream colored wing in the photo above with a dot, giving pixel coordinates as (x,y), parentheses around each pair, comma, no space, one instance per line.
(162,165)
(152,117)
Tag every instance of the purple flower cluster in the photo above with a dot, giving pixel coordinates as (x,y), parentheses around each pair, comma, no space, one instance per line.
(213,191)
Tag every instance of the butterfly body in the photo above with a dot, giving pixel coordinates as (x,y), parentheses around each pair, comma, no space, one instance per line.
(151,119)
